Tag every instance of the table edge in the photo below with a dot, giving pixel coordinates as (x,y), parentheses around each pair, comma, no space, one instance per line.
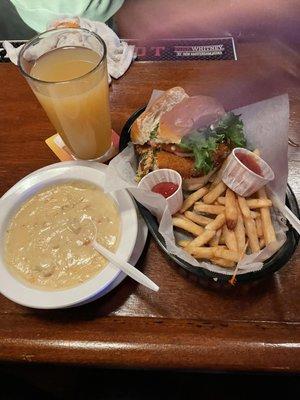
(154,343)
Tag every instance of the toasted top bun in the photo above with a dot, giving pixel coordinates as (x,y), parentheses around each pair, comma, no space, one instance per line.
(190,114)
(148,120)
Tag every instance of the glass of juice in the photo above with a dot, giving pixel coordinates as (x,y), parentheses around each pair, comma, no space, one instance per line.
(67,71)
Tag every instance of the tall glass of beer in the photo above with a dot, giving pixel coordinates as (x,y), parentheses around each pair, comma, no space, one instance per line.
(67,71)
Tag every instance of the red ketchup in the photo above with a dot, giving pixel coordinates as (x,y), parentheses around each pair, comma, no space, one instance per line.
(166,189)
(250,162)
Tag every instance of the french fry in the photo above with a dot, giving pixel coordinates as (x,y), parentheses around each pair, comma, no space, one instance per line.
(239,232)
(256,152)
(183,242)
(209,231)
(208,208)
(267,226)
(213,194)
(188,226)
(259,229)
(215,240)
(262,243)
(258,203)
(252,234)
(197,218)
(226,254)
(202,239)
(208,254)
(244,207)
(217,223)
(222,239)
(192,198)
(217,180)
(230,209)
(223,262)
(252,203)
(230,239)
(177,215)
(221,200)
(201,252)
(213,177)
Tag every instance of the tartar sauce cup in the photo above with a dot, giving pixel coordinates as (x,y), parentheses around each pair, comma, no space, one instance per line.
(162,176)
(241,179)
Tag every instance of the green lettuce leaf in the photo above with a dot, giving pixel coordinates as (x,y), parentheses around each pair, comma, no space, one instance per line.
(153,133)
(204,143)
(233,129)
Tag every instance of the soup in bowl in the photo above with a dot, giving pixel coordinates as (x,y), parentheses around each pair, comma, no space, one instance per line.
(48,222)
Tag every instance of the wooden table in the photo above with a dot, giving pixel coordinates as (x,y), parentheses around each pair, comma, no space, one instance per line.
(187,324)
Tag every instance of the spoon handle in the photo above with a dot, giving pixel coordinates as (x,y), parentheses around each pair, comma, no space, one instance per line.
(286,212)
(124,266)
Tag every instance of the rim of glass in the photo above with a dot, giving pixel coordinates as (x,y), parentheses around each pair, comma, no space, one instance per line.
(57,30)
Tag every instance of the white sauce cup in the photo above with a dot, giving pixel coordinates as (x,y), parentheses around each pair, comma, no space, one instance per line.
(165,175)
(239,178)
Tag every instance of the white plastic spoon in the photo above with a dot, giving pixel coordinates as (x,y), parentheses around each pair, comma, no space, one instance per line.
(124,266)
(131,271)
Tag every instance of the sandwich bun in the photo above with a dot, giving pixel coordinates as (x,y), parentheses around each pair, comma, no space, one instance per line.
(148,120)
(190,114)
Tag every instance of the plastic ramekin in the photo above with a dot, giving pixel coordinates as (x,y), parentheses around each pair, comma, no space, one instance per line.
(242,180)
(165,175)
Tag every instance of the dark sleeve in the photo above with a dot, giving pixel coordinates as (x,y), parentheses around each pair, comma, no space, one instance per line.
(11,25)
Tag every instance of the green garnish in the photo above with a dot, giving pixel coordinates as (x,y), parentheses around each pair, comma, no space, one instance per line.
(233,129)
(153,133)
(229,130)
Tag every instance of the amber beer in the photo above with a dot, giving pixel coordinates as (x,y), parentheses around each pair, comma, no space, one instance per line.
(72,86)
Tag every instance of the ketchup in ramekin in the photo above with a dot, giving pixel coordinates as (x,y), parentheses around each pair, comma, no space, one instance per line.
(166,189)
(250,162)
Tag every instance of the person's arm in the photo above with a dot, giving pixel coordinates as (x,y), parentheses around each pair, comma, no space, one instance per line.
(188,18)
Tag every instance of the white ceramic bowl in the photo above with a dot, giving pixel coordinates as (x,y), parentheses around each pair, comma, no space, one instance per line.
(28,296)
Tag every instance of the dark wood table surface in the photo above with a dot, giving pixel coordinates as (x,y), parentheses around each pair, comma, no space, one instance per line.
(188,324)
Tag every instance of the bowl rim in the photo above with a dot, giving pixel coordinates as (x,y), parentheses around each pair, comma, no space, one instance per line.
(25,295)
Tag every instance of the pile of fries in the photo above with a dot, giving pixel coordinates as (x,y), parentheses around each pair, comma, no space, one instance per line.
(223,225)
